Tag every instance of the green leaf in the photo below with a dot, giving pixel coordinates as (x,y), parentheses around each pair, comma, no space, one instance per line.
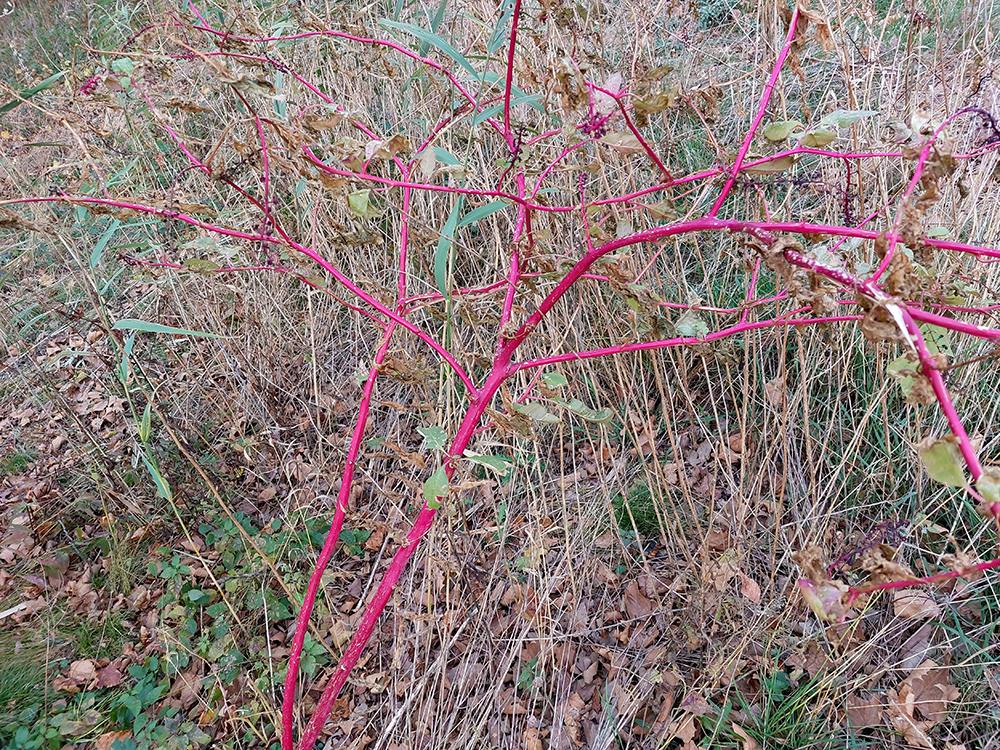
(497,109)
(431,38)
(443,252)
(843,118)
(554,379)
(818,138)
(516,93)
(146,425)
(938,233)
(198,265)
(162,487)
(494,463)
(690,324)
(582,410)
(905,371)
(130,324)
(772,166)
(482,212)
(357,201)
(435,488)
(943,461)
(537,412)
(434,437)
(102,242)
(445,156)
(123,65)
(988,485)
(29,92)
(937,339)
(779,131)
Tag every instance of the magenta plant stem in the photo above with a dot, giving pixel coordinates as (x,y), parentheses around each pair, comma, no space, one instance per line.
(761,111)
(509,82)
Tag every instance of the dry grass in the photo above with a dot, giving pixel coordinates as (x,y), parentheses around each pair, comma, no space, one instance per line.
(524,584)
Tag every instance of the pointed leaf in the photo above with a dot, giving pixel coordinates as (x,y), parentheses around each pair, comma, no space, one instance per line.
(482,212)
(29,92)
(434,437)
(537,412)
(582,410)
(843,118)
(129,324)
(772,166)
(443,252)
(496,464)
(431,38)
(102,242)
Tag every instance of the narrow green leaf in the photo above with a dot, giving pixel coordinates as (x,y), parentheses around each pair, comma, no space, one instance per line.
(482,212)
(162,487)
(431,38)
(496,464)
(943,461)
(843,118)
(443,252)
(130,324)
(29,92)
(102,242)
(582,410)
(146,425)
(537,412)
(445,156)
(495,79)
(496,110)
(434,437)
(435,488)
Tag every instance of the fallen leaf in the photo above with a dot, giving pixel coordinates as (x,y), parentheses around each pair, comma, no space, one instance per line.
(749,588)
(749,743)
(683,729)
(531,739)
(919,702)
(863,711)
(575,706)
(774,390)
(914,603)
(106,740)
(637,604)
(82,671)
(109,676)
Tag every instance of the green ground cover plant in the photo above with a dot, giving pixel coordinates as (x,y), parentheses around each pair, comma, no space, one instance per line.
(501,374)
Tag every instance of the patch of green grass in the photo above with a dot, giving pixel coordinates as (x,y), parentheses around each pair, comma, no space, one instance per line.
(22,688)
(637,511)
(17,462)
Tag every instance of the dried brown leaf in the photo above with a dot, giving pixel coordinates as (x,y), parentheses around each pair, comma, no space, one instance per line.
(636,603)
(864,711)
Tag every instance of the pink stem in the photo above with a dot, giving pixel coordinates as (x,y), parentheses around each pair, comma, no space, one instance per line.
(761,111)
